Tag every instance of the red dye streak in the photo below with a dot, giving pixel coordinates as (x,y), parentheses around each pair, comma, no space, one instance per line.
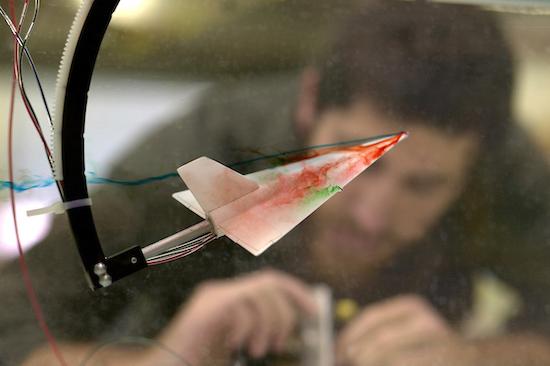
(326,150)
(292,187)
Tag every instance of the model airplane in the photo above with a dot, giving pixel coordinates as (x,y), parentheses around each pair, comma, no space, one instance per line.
(258,209)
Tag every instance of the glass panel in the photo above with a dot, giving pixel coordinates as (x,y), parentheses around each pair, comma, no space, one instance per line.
(438,251)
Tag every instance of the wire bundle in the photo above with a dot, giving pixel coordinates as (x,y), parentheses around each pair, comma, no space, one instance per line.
(182,250)
(20,48)
(21,51)
(21,34)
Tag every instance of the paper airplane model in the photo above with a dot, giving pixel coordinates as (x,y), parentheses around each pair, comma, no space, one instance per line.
(258,209)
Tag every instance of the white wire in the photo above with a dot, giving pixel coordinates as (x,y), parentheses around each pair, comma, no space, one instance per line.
(35,15)
(191,247)
(174,257)
(187,245)
(17,31)
(14,29)
(11,26)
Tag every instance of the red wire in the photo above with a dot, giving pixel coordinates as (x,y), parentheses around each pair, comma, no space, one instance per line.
(178,256)
(27,106)
(31,294)
(25,102)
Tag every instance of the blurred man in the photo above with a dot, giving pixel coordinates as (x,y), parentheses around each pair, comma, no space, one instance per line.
(404,240)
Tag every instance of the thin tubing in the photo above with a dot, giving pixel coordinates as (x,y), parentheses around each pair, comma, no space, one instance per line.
(22,42)
(170,259)
(187,245)
(183,249)
(165,244)
(37,309)
(21,45)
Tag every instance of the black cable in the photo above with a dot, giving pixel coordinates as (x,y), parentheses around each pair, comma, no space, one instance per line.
(72,135)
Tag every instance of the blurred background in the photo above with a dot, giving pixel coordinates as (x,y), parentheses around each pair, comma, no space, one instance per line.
(159,56)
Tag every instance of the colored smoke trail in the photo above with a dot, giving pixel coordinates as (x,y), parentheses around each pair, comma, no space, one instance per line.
(276,160)
(26,185)
(91,178)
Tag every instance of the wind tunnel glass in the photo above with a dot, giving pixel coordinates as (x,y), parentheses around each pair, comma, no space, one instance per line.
(242,83)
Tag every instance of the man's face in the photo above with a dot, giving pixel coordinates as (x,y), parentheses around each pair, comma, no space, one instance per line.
(395,202)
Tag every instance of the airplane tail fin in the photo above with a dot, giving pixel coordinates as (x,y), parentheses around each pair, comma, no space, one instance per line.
(214,185)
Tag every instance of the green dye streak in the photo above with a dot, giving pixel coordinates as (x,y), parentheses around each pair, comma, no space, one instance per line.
(316,195)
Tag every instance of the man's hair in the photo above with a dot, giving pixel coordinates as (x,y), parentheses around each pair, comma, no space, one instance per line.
(448,66)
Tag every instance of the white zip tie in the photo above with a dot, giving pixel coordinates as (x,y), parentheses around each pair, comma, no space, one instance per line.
(60,207)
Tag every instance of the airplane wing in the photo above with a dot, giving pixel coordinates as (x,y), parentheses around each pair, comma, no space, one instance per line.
(258,209)
(289,194)
(251,228)
(187,199)
(258,226)
(212,184)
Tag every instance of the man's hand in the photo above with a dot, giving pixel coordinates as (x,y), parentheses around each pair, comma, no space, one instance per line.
(256,312)
(402,331)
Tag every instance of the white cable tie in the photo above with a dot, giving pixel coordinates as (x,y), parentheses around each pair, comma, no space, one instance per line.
(60,207)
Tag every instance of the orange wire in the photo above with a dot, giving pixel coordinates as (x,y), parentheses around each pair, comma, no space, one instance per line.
(31,294)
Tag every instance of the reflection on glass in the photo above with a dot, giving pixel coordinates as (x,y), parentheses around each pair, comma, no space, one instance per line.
(436,255)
